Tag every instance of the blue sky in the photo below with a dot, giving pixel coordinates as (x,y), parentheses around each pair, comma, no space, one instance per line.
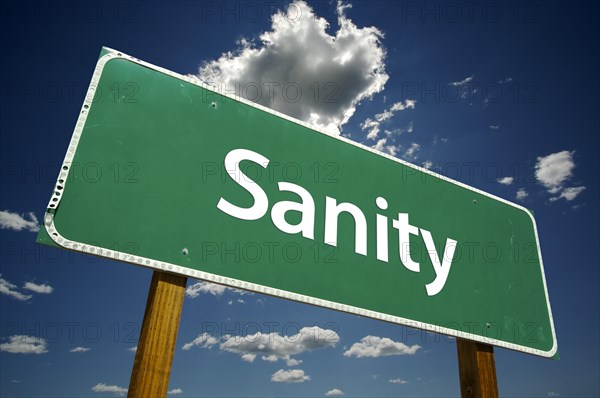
(501,96)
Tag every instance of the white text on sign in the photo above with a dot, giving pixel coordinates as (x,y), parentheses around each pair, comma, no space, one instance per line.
(306,207)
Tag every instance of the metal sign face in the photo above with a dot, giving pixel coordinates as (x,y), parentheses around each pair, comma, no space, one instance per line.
(164,172)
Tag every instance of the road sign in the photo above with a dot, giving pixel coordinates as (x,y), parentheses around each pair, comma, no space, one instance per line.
(165,172)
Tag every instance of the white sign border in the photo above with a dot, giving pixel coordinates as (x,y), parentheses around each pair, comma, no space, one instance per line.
(238,284)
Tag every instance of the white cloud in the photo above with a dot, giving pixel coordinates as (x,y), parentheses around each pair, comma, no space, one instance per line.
(397,381)
(101,387)
(398,106)
(554,170)
(522,194)
(507,80)
(10,290)
(373,126)
(466,90)
(132,349)
(382,147)
(17,222)
(301,70)
(199,288)
(21,344)
(428,164)
(273,347)
(506,180)
(270,347)
(293,362)
(495,126)
(462,82)
(373,346)
(336,392)
(408,104)
(289,376)
(175,391)
(204,340)
(569,194)
(196,289)
(411,152)
(248,357)
(80,349)
(41,289)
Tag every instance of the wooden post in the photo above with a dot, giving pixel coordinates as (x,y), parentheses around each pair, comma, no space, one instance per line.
(156,346)
(477,370)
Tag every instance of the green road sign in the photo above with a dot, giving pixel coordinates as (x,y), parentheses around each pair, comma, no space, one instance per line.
(164,172)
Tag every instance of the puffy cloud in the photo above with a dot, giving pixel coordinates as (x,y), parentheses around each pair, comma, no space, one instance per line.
(199,288)
(79,349)
(248,357)
(41,289)
(196,289)
(175,391)
(382,146)
(301,70)
(398,106)
(11,290)
(397,381)
(293,362)
(568,194)
(204,340)
(271,347)
(373,126)
(17,222)
(290,376)
(373,346)
(411,152)
(101,387)
(494,126)
(336,392)
(554,170)
(428,164)
(522,194)
(506,180)
(21,344)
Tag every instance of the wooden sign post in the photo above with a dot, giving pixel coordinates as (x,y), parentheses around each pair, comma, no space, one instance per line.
(156,346)
(477,370)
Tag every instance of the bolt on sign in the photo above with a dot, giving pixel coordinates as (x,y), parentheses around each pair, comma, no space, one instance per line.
(165,172)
